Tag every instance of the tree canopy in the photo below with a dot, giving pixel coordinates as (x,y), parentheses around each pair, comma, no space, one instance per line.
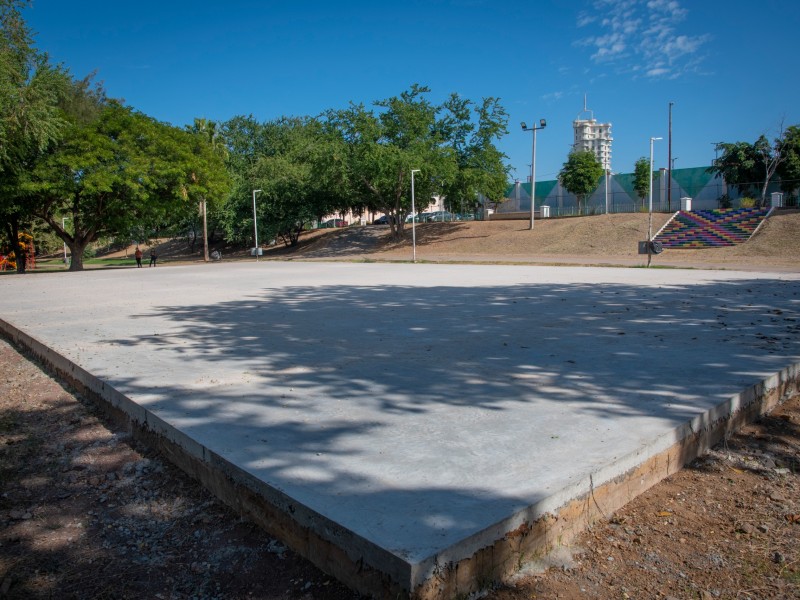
(455,154)
(641,178)
(69,153)
(30,120)
(117,172)
(752,167)
(580,174)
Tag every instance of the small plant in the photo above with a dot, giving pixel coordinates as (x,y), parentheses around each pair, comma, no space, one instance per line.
(725,201)
(747,202)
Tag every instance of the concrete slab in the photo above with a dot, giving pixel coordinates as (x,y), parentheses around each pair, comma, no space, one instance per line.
(412,415)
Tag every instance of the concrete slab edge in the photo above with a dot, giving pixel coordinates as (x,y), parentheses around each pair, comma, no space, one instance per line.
(474,565)
(355,561)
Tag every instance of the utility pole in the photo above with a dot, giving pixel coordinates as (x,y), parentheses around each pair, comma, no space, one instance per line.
(669,162)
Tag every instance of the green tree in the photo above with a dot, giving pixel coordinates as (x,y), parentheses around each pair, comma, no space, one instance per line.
(295,163)
(750,167)
(581,174)
(383,146)
(209,182)
(299,179)
(641,178)
(480,167)
(30,119)
(789,169)
(116,170)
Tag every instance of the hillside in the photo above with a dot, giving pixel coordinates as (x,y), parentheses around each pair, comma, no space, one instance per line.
(601,239)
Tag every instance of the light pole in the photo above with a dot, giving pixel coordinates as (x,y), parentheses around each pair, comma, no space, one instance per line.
(255,224)
(63,226)
(413,217)
(669,161)
(534,129)
(650,209)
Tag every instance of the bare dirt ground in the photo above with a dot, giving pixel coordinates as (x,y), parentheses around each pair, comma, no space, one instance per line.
(87,513)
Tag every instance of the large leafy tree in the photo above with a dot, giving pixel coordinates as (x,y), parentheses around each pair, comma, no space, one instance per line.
(751,167)
(30,119)
(208,183)
(299,179)
(789,169)
(296,165)
(581,174)
(472,131)
(115,171)
(384,145)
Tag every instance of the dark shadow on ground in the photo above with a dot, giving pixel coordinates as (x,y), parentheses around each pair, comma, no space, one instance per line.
(333,394)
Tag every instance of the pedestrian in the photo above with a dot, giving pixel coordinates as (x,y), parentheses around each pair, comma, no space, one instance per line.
(138,255)
(153,257)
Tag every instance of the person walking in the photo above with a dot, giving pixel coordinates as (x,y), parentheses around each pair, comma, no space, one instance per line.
(138,256)
(153,257)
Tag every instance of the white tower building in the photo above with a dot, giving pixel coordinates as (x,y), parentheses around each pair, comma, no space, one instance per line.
(593,136)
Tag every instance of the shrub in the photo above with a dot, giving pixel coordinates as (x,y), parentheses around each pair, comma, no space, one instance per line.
(747,202)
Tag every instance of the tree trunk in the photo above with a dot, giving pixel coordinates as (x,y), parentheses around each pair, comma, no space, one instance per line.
(77,242)
(76,260)
(76,250)
(12,230)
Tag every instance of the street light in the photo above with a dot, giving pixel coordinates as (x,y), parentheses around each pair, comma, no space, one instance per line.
(413,217)
(255,224)
(534,129)
(650,210)
(63,226)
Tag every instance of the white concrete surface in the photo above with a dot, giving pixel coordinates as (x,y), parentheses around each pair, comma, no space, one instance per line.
(422,407)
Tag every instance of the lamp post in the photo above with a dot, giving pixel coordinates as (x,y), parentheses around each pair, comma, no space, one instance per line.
(63,226)
(669,161)
(413,217)
(650,204)
(534,129)
(255,224)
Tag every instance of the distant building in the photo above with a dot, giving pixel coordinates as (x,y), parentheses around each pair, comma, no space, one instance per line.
(593,136)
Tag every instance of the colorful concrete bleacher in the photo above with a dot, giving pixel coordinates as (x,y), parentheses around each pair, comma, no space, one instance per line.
(711,228)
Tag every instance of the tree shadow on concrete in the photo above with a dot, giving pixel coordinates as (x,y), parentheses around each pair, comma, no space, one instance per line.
(424,420)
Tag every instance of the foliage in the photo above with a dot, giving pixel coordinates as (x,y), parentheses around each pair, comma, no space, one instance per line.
(381,148)
(581,174)
(747,202)
(481,170)
(641,178)
(751,167)
(30,121)
(789,169)
(208,184)
(116,171)
(293,162)
(452,145)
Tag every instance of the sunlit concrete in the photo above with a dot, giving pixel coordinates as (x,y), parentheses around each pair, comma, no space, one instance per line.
(424,408)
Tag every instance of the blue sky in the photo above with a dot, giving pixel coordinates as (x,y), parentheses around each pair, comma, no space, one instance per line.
(729,66)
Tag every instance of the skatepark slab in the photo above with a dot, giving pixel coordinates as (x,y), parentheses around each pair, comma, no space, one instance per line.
(412,415)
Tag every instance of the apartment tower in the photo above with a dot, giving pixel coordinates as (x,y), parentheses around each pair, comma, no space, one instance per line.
(593,136)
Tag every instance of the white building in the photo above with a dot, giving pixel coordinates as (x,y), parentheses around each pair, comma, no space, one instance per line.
(593,136)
